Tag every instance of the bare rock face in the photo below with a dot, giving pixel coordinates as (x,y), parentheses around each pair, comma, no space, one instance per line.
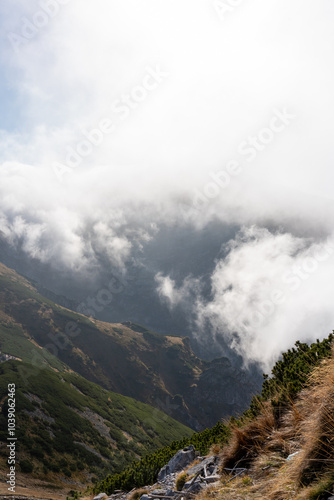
(221,390)
(206,463)
(200,476)
(178,462)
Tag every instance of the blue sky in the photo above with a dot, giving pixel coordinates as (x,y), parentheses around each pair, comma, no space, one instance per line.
(9,105)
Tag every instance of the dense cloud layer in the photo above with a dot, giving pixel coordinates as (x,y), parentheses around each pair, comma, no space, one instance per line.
(134,114)
(268,291)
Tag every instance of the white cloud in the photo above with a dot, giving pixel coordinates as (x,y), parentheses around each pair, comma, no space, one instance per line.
(270,290)
(177,296)
(224,81)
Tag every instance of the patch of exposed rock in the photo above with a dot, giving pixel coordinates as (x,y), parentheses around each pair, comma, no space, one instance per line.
(200,475)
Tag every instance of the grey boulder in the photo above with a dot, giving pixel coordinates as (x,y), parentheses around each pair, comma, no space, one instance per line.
(194,488)
(178,462)
(200,467)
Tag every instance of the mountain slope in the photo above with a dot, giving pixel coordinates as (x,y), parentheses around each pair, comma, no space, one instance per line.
(159,370)
(69,427)
(281,449)
(174,251)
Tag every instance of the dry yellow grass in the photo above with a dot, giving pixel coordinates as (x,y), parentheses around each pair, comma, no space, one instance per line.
(247,441)
(316,429)
(262,446)
(138,493)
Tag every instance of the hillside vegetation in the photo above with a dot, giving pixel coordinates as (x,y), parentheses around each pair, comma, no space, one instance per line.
(285,441)
(146,470)
(291,373)
(74,429)
(125,358)
(69,427)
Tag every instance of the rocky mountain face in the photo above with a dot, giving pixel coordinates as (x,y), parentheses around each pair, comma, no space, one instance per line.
(160,370)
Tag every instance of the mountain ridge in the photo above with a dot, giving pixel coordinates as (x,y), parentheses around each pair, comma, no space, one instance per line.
(157,369)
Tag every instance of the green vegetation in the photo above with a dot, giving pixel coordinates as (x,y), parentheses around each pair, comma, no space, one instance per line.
(13,341)
(292,417)
(121,358)
(145,471)
(290,374)
(321,490)
(181,481)
(125,358)
(68,425)
(26,466)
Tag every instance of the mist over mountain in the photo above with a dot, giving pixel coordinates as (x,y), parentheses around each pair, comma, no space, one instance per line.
(166,238)
(183,182)
(127,358)
(134,294)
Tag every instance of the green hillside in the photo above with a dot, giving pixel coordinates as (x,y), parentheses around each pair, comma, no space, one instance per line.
(69,427)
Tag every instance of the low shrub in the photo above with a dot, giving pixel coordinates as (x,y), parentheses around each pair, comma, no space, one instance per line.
(26,466)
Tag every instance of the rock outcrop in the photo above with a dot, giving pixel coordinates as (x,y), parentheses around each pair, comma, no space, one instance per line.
(200,475)
(182,459)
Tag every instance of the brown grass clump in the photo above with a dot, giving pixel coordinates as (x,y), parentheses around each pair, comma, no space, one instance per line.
(312,418)
(285,439)
(262,446)
(215,449)
(248,441)
(138,493)
(317,427)
(195,462)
